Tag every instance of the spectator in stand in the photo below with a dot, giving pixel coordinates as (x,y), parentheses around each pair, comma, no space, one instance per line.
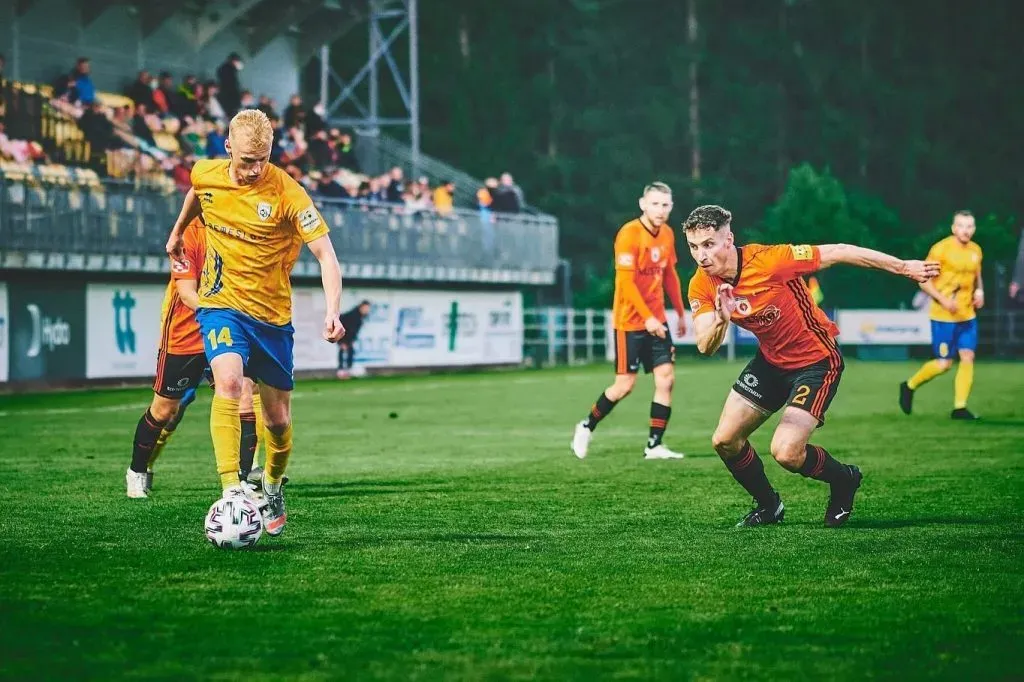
(508,198)
(333,187)
(295,114)
(249,102)
(416,200)
(215,110)
(168,94)
(230,87)
(320,153)
(315,120)
(21,151)
(140,127)
(85,91)
(3,63)
(346,154)
(485,199)
(188,108)
(216,142)
(444,198)
(141,91)
(182,174)
(98,129)
(266,105)
(352,321)
(395,186)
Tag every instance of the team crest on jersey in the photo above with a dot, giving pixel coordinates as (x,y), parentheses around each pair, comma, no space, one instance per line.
(655,254)
(625,260)
(743,307)
(263,210)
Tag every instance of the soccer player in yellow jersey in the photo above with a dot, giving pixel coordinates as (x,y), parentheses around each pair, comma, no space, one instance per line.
(257,218)
(956,294)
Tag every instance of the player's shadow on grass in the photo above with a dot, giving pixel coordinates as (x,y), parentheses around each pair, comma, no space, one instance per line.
(367,488)
(919,522)
(491,540)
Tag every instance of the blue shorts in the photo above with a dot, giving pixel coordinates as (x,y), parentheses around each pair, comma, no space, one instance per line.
(948,338)
(266,349)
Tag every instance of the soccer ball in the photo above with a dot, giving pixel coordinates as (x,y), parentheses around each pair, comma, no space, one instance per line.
(234,523)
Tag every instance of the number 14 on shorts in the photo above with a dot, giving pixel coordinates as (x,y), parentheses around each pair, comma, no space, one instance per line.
(220,337)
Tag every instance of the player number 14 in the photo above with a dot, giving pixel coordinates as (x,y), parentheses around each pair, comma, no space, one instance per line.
(218,338)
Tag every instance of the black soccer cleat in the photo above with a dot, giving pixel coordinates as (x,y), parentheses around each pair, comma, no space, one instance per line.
(840,502)
(963,413)
(764,515)
(906,398)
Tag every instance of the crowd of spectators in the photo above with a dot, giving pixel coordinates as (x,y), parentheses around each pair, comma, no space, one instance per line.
(160,125)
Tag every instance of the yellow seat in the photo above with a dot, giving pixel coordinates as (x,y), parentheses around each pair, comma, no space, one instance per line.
(112,99)
(167,142)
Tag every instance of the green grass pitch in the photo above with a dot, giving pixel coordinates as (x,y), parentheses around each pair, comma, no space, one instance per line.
(462,540)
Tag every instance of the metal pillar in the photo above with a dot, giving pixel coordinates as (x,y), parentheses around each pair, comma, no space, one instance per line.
(414,84)
(325,71)
(387,20)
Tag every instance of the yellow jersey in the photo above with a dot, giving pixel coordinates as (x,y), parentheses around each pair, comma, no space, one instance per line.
(960,269)
(253,237)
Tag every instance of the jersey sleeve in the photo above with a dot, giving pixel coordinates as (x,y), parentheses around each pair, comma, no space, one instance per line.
(192,266)
(701,295)
(627,251)
(789,261)
(301,214)
(936,253)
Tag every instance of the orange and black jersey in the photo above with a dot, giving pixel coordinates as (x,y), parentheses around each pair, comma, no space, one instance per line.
(773,303)
(179,328)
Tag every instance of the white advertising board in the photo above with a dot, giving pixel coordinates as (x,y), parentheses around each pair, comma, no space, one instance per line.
(884,327)
(122,329)
(5,342)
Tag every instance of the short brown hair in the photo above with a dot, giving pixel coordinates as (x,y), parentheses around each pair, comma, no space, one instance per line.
(963,213)
(704,217)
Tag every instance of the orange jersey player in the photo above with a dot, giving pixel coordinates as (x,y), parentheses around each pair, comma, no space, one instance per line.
(645,270)
(181,365)
(798,365)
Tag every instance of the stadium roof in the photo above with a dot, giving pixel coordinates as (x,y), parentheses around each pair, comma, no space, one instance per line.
(316,21)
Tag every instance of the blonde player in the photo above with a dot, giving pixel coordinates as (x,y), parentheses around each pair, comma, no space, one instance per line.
(956,294)
(257,218)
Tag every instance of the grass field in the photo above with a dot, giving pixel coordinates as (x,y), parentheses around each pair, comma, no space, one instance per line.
(462,540)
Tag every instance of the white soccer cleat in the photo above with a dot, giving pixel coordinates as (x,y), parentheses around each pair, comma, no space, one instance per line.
(136,484)
(581,440)
(661,452)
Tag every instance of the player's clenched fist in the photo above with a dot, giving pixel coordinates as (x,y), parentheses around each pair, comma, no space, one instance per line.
(920,270)
(175,246)
(333,329)
(726,303)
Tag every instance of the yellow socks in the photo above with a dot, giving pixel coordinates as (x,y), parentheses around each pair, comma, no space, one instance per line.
(161,441)
(279,449)
(257,408)
(226,431)
(928,371)
(962,384)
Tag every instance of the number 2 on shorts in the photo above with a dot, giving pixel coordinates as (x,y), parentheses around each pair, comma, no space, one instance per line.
(799,399)
(223,337)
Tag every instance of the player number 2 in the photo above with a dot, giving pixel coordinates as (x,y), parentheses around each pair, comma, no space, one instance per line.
(801,394)
(216,339)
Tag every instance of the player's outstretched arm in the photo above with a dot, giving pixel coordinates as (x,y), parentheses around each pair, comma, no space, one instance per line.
(917,270)
(190,210)
(330,275)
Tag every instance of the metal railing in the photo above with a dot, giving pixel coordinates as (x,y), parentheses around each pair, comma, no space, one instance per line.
(124,219)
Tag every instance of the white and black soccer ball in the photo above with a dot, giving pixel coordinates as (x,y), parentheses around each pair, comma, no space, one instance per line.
(234,523)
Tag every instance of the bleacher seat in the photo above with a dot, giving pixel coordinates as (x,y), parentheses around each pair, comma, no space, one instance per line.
(114,100)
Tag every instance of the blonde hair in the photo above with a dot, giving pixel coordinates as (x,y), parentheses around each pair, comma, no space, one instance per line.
(253,125)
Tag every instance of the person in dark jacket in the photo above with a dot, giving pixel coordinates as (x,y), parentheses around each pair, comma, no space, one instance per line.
(230,96)
(351,321)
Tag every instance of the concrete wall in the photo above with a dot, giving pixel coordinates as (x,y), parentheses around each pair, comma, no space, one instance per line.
(48,38)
